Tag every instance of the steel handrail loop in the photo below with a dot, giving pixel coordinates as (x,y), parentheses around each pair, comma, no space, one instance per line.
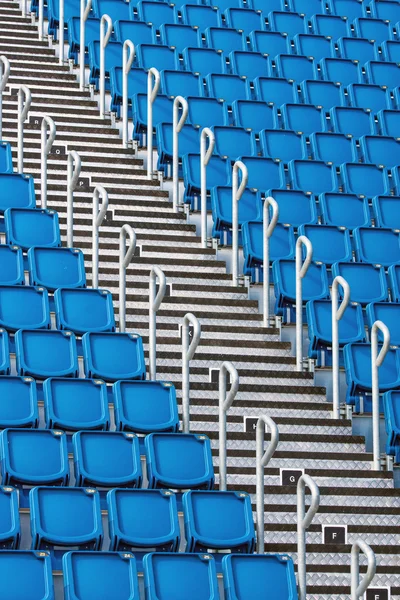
(188,350)
(359,588)
(46,146)
(152,91)
(178,123)
(225,402)
(205,157)
(376,361)
(155,300)
(303,522)
(337,314)
(127,61)
(24,104)
(268,229)
(301,270)
(74,167)
(86,6)
(125,256)
(262,460)
(104,39)
(4,75)
(237,193)
(97,219)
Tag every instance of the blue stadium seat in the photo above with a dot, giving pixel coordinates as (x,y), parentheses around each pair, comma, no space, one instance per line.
(34,457)
(11,265)
(113,58)
(56,267)
(295,207)
(387,10)
(196,574)
(10,531)
(303,118)
(352,121)
(289,23)
(92,33)
(282,245)
(106,459)
(282,145)
(295,68)
(377,245)
(263,172)
(37,581)
(139,33)
(179,461)
(82,310)
(307,7)
(383,74)
(223,5)
(391,50)
(232,142)
(372,29)
(394,281)
(333,147)
(227,87)
(225,40)
(347,210)
(246,20)
(355,175)
(200,16)
(219,172)
(24,306)
(74,404)
(179,37)
(389,122)
(274,91)
(388,313)
(367,282)
(272,4)
(245,576)
(341,70)
(189,142)
(249,208)
(204,61)
(66,517)
(143,519)
(316,47)
(18,406)
(249,64)
(71,9)
(156,13)
(253,115)
(323,94)
(371,97)
(32,227)
(331,26)
(113,356)
(17,191)
(206,111)
(391,403)
(380,150)
(116,10)
(269,43)
(312,176)
(4,353)
(42,353)
(162,113)
(330,244)
(153,55)
(351,9)
(360,50)
(145,406)
(6,165)
(137,83)
(387,211)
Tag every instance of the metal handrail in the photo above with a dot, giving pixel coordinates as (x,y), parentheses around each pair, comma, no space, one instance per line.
(155,300)
(24,104)
(205,156)
(237,193)
(188,351)
(97,220)
(262,460)
(303,522)
(46,145)
(268,229)
(178,123)
(104,39)
(376,361)
(358,589)
(23,7)
(301,270)
(152,92)
(125,257)
(225,402)
(74,166)
(337,314)
(61,25)
(41,20)
(127,62)
(86,6)
(4,75)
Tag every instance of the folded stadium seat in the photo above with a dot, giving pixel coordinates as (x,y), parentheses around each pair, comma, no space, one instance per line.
(189,142)
(92,33)
(364,179)
(32,227)
(113,58)
(17,191)
(357,362)
(296,68)
(200,16)
(352,121)
(391,51)
(145,406)
(308,7)
(269,43)
(228,87)
(377,245)
(106,459)
(313,46)
(274,91)
(387,10)
(323,94)
(253,115)
(195,573)
(391,403)
(11,265)
(74,404)
(204,61)
(249,64)
(303,118)
(23,306)
(315,285)
(351,9)
(370,97)
(10,531)
(6,165)
(143,519)
(388,313)
(137,83)
(282,145)
(281,246)
(319,319)
(42,353)
(264,172)
(367,282)
(245,575)
(37,581)
(162,113)
(347,210)
(219,172)
(383,74)
(140,33)
(389,122)
(331,26)
(160,57)
(4,353)
(341,70)
(71,9)
(224,40)
(66,517)
(179,461)
(246,20)
(289,23)
(387,211)
(155,13)
(295,207)
(358,49)
(206,111)
(18,406)
(394,281)
(232,142)
(34,457)
(313,177)
(55,267)
(179,37)
(82,310)
(373,29)
(330,244)
(113,356)
(249,208)
(333,147)
(116,10)
(380,150)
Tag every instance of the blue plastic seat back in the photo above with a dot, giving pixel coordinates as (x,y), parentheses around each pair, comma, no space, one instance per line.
(351,9)
(295,207)
(31,227)
(247,20)
(17,191)
(315,282)
(253,115)
(312,176)
(44,354)
(274,91)
(162,109)
(11,265)
(371,97)
(319,318)
(203,111)
(325,94)
(37,582)
(113,57)
(303,118)
(71,9)
(355,176)
(10,530)
(333,147)
(225,40)
(179,37)
(383,74)
(204,61)
(357,359)
(394,279)
(227,87)
(388,313)
(308,7)
(377,245)
(272,5)
(315,46)
(160,57)
(269,43)
(282,145)
(93,574)
(200,16)
(19,406)
(56,267)
(281,242)
(142,33)
(113,356)
(114,9)
(189,140)
(263,172)
(6,165)
(330,26)
(218,171)
(341,70)
(372,29)
(4,353)
(156,13)
(232,142)
(351,121)
(381,150)
(221,205)
(294,67)
(386,10)
(223,5)
(389,121)
(347,210)
(249,64)
(330,244)
(24,306)
(387,211)
(285,22)
(361,50)
(137,83)
(82,310)
(92,33)
(367,282)
(391,51)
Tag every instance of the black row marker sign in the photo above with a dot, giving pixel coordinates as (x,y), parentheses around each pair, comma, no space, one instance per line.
(334,534)
(214,377)
(377,593)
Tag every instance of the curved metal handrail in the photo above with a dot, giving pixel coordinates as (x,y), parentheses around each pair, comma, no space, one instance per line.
(262,460)
(127,61)
(337,314)
(152,91)
(74,166)
(301,270)
(268,229)
(377,359)
(178,123)
(237,193)
(205,157)
(225,402)
(359,588)
(24,104)
(104,39)
(303,522)
(46,146)
(188,350)
(125,256)
(97,219)
(4,76)
(155,300)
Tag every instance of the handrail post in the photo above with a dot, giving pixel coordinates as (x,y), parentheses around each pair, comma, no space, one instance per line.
(262,460)
(24,104)
(225,402)
(61,26)
(104,39)
(376,361)
(46,145)
(40,23)
(152,91)
(303,522)
(23,7)
(178,123)
(4,75)
(358,589)
(125,257)
(74,166)
(205,156)
(301,270)
(337,314)
(268,229)
(237,193)
(155,300)
(127,62)
(97,220)
(86,6)
(188,351)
